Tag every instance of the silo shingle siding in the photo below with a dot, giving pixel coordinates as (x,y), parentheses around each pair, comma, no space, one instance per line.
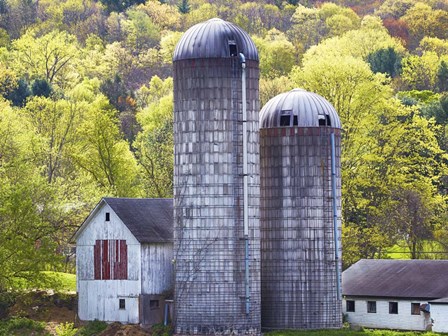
(298,274)
(208,193)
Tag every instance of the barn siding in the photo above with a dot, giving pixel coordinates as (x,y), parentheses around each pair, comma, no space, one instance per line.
(84,263)
(404,320)
(98,228)
(157,268)
(439,313)
(99,299)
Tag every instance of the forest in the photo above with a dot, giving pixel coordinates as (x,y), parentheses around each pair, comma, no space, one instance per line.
(86,111)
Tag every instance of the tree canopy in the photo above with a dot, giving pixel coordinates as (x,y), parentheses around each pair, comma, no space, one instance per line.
(86,111)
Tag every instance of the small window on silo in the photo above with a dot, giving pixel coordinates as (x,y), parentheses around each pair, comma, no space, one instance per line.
(322,120)
(285,118)
(232,48)
(327,117)
(295,122)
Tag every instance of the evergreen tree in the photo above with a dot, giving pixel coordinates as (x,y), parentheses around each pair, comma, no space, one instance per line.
(442,77)
(41,88)
(20,94)
(386,61)
(120,5)
(184,7)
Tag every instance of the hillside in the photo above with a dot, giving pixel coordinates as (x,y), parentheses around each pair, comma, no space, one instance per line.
(86,112)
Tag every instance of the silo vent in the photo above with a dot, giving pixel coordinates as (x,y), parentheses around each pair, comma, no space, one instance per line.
(285,118)
(215,38)
(298,108)
(324,120)
(232,48)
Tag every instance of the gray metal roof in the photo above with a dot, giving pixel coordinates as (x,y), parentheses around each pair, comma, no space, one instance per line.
(424,279)
(149,219)
(298,108)
(212,39)
(440,301)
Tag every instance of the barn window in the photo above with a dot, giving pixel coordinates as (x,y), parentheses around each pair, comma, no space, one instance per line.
(415,308)
(107,216)
(153,304)
(371,306)
(110,259)
(393,307)
(350,305)
(122,304)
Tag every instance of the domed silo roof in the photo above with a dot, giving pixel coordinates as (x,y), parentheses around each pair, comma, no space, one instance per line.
(215,38)
(298,108)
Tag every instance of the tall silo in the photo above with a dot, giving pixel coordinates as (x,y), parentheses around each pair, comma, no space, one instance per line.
(300,204)
(216,181)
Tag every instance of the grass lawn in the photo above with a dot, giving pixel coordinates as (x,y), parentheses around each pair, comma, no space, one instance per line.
(347,332)
(67,280)
(59,281)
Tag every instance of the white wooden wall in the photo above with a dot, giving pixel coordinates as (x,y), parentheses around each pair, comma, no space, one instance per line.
(439,313)
(99,299)
(157,268)
(382,319)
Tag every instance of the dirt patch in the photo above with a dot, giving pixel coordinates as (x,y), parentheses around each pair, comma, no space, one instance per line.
(45,306)
(118,329)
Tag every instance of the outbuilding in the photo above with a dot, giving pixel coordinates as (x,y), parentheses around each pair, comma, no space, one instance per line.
(124,253)
(397,294)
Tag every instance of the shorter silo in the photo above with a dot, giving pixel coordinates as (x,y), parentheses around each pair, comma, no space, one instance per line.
(300,136)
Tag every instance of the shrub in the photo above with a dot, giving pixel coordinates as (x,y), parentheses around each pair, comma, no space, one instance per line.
(22,326)
(66,329)
(92,328)
(161,330)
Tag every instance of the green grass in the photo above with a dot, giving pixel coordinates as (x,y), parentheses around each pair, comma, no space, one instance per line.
(431,250)
(67,281)
(346,332)
(22,327)
(92,328)
(58,281)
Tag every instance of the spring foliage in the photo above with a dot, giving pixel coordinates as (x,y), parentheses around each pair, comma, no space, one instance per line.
(86,110)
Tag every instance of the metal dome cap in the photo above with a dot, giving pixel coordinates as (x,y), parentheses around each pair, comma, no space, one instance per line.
(215,38)
(299,108)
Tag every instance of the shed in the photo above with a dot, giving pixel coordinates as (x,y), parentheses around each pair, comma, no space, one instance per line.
(397,294)
(124,252)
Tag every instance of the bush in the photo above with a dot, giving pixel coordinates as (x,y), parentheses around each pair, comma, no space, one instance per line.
(7,299)
(66,329)
(22,326)
(161,330)
(92,328)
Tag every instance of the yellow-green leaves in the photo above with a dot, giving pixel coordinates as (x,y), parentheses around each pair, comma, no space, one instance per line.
(48,57)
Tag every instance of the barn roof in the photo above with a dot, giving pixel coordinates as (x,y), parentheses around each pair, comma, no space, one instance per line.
(397,278)
(150,220)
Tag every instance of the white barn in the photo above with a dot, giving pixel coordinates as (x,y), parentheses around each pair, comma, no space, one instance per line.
(124,253)
(397,294)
